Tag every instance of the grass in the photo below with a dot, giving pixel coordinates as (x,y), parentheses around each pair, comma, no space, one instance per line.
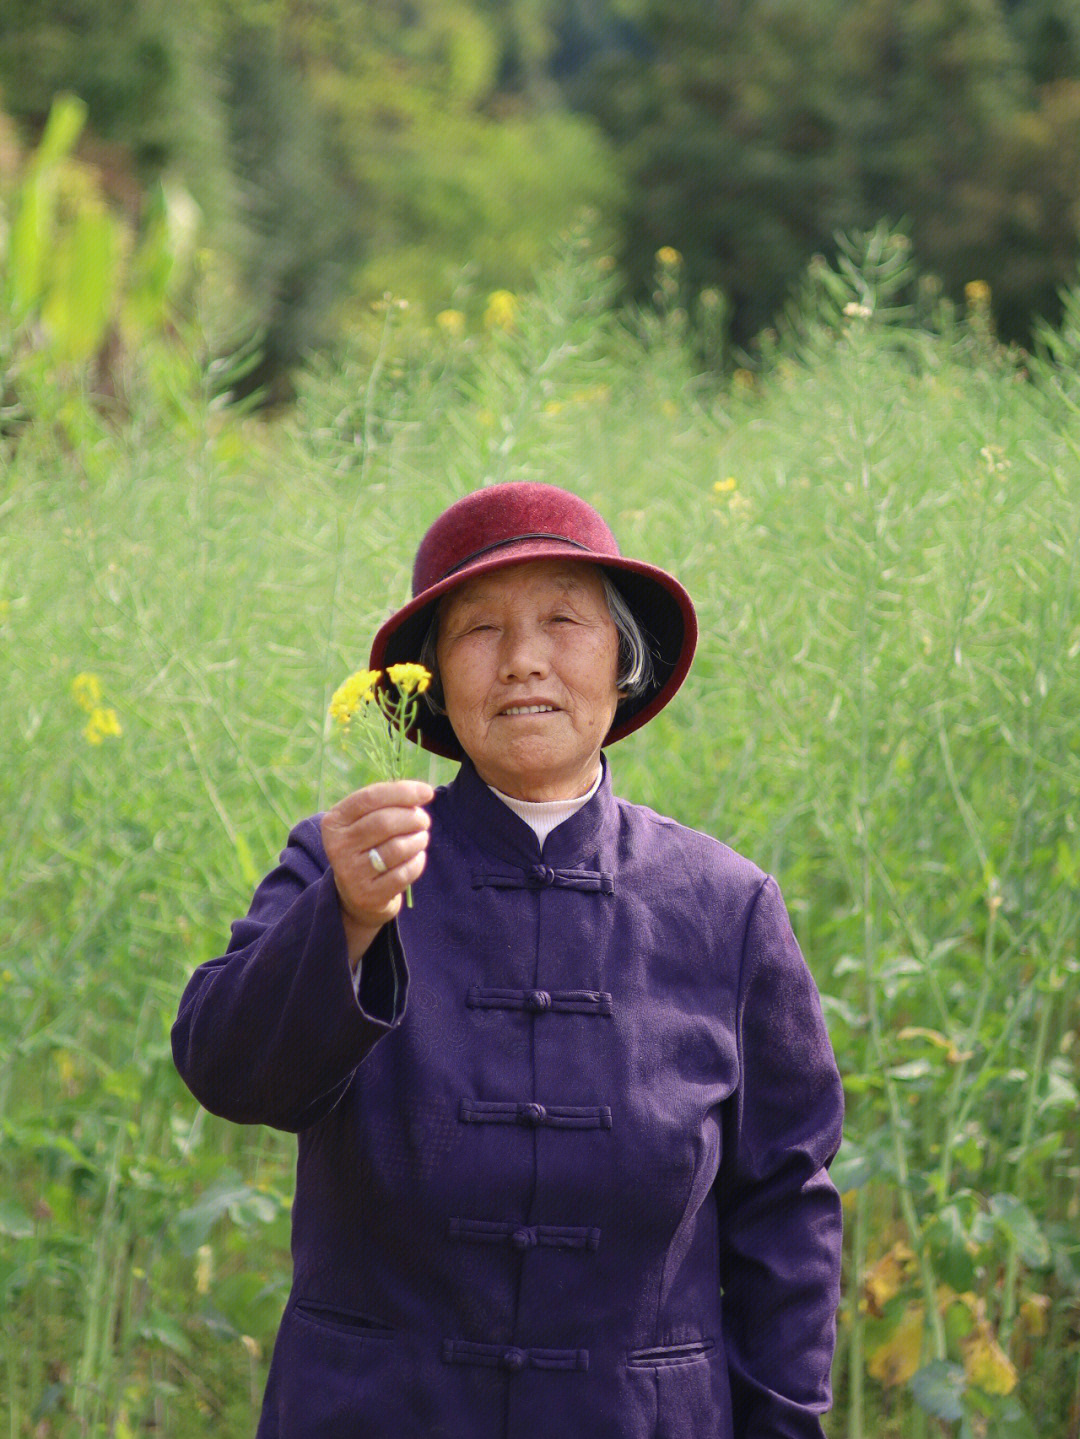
(881,534)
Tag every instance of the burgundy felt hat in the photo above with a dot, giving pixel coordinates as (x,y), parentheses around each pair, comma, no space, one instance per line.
(513,523)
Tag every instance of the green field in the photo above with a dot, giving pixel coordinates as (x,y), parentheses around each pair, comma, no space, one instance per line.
(881,531)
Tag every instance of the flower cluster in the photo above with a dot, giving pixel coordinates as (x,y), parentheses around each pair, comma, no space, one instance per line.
(351,694)
(386,705)
(501,311)
(102,722)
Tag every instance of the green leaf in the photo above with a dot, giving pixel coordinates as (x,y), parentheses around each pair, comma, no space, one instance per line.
(939,1389)
(949,1240)
(63,127)
(194,1225)
(163,1329)
(1016,1221)
(914,1069)
(854,1166)
(31,242)
(230,1195)
(81,288)
(14,1220)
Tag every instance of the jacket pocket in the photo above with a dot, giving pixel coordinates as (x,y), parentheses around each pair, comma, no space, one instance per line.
(334,1375)
(691,1388)
(667,1356)
(342,1321)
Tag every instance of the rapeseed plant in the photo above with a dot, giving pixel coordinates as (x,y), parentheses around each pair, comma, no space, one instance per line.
(386,705)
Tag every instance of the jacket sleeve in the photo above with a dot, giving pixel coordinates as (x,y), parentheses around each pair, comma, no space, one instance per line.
(272,1031)
(780,1221)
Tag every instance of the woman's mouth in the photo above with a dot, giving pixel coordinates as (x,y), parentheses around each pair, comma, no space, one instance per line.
(528,710)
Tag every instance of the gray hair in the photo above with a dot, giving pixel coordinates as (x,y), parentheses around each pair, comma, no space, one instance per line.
(635,672)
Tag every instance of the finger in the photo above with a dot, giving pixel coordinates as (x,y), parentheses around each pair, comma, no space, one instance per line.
(370,830)
(387,794)
(393,852)
(360,883)
(384,896)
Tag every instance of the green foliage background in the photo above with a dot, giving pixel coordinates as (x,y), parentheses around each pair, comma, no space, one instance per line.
(341,149)
(881,535)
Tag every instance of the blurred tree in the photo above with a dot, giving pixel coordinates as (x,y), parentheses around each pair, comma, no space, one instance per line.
(294,239)
(335,148)
(730,129)
(753,129)
(1048,32)
(463,159)
(145,76)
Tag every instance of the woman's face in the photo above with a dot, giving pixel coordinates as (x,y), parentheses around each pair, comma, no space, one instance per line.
(528,658)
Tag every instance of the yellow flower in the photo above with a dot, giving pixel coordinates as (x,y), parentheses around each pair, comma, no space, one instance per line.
(977,293)
(744,379)
(501,311)
(451,322)
(409,678)
(86,691)
(102,725)
(668,257)
(592,395)
(725,487)
(357,690)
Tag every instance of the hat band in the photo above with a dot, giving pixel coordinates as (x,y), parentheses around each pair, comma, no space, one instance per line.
(501,544)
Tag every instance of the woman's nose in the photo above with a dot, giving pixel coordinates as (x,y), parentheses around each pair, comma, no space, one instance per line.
(524,655)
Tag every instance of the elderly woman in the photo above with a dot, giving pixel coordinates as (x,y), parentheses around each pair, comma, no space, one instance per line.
(563,1124)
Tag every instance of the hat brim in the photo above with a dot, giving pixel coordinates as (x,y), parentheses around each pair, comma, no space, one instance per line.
(661,606)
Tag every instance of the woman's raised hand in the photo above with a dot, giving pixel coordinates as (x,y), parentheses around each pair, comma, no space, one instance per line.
(388,818)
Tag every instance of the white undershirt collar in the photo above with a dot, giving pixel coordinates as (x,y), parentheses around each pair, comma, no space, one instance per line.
(542,816)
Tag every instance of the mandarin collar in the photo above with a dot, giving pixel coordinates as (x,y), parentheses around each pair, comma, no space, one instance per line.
(493,826)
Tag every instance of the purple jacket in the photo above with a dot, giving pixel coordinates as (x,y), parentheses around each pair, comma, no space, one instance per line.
(563,1173)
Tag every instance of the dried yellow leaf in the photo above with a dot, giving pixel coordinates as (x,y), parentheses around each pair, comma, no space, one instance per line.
(893,1362)
(986,1364)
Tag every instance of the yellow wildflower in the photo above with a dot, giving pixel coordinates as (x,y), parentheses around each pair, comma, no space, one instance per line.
(592,395)
(86,691)
(451,322)
(501,310)
(977,293)
(409,678)
(668,256)
(725,487)
(553,407)
(103,724)
(357,690)
(744,379)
